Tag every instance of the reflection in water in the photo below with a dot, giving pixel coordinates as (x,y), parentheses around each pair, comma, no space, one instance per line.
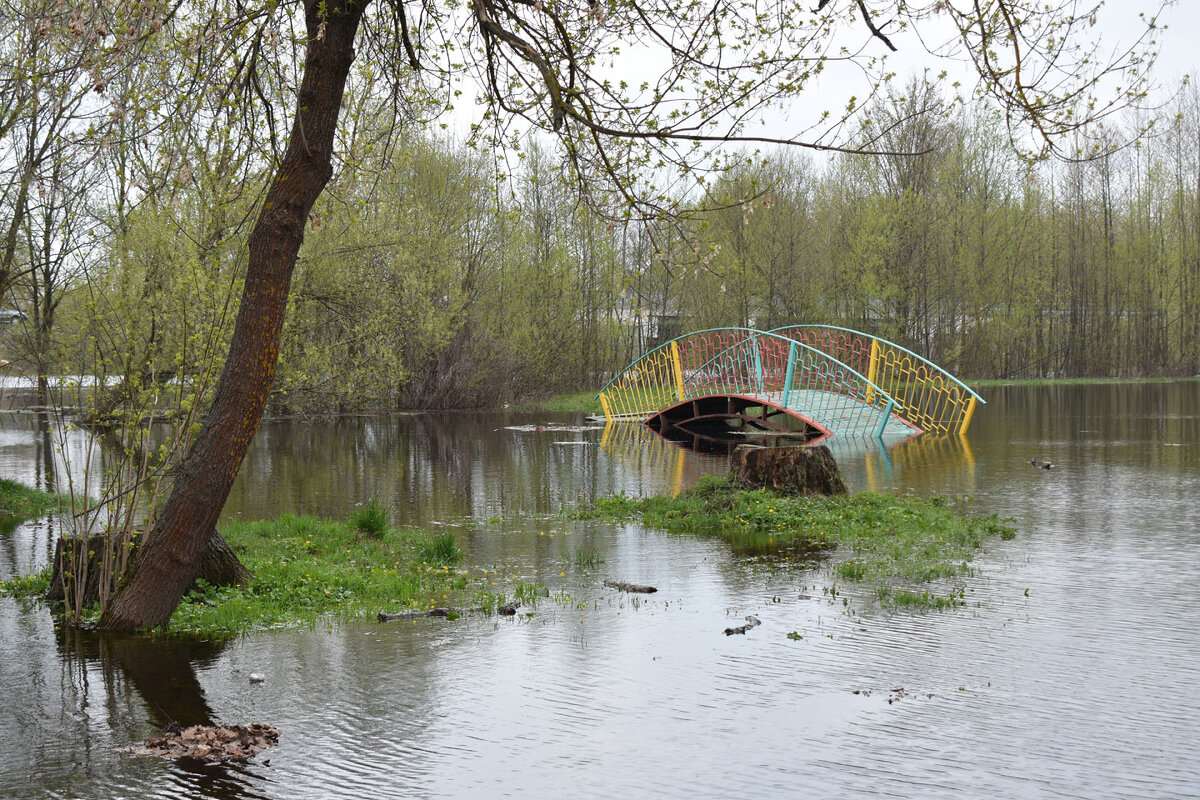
(162,669)
(1087,621)
(667,463)
(678,458)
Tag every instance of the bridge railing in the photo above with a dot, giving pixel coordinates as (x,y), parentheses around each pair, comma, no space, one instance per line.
(932,398)
(742,361)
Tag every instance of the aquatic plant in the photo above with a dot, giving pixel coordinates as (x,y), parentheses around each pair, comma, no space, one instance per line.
(586,558)
(529,592)
(370,519)
(441,548)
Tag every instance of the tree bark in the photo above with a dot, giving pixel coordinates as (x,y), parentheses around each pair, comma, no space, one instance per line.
(219,565)
(170,558)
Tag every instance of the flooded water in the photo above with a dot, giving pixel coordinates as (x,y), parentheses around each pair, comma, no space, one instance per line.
(1071,672)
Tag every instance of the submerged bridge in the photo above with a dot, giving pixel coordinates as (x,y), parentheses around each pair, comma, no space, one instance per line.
(815,380)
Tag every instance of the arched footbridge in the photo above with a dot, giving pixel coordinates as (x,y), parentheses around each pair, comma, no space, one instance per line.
(817,380)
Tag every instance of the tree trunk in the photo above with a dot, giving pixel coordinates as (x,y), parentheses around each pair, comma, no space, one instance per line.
(219,566)
(170,558)
(788,470)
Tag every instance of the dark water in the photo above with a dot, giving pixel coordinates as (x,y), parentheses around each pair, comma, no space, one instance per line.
(1072,672)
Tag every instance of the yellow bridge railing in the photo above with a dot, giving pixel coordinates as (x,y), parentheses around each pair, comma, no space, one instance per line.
(931,398)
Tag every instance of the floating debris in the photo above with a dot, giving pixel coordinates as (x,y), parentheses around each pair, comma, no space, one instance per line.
(751,622)
(450,613)
(507,610)
(896,694)
(210,743)
(630,587)
(553,428)
(257,677)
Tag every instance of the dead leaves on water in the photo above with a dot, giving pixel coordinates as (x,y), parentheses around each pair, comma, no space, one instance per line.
(210,743)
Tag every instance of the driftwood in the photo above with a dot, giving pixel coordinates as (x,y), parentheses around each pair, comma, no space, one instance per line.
(751,622)
(630,587)
(788,470)
(507,610)
(219,565)
(433,612)
(210,743)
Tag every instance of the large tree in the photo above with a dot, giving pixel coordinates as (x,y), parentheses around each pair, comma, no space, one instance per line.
(644,96)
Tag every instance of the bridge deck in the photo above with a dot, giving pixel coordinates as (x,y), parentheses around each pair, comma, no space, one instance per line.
(838,414)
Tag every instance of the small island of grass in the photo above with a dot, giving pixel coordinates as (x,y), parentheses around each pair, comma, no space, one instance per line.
(308,570)
(19,502)
(902,546)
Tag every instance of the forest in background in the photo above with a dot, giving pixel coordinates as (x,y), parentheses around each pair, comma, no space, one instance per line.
(430,279)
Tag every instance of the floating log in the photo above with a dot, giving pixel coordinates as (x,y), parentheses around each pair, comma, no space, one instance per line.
(630,587)
(751,622)
(804,470)
(427,614)
(507,610)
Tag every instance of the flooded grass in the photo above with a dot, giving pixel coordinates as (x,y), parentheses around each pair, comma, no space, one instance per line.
(370,519)
(18,503)
(982,382)
(307,569)
(440,548)
(894,543)
(586,558)
(581,402)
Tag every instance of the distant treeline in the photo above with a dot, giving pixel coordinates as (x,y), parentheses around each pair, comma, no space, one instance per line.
(426,280)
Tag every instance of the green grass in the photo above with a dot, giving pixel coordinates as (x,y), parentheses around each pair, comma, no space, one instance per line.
(18,503)
(370,519)
(582,402)
(440,548)
(586,557)
(982,382)
(529,592)
(308,570)
(889,542)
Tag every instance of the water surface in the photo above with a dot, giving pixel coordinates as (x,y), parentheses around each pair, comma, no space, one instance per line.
(1071,671)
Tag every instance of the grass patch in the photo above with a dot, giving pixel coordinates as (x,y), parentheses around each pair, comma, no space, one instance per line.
(440,548)
(581,402)
(887,541)
(18,503)
(308,570)
(371,519)
(529,592)
(586,558)
(978,382)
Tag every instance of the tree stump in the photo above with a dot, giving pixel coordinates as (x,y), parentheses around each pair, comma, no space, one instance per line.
(810,471)
(219,565)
